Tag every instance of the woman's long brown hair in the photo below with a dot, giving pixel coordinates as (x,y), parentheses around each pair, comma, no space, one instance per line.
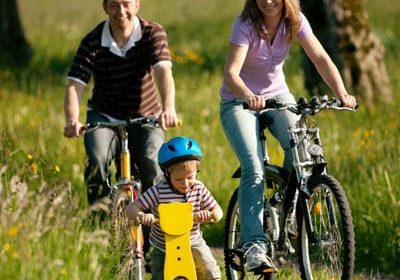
(291,14)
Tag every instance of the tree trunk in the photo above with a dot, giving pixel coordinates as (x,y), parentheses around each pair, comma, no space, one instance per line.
(343,30)
(14,48)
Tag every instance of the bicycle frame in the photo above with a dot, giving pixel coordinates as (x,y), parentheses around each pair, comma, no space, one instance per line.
(133,189)
(308,157)
(308,160)
(126,190)
(126,180)
(304,166)
(294,202)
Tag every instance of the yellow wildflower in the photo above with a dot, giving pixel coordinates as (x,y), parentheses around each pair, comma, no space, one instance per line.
(57,169)
(12,231)
(14,254)
(180,59)
(34,168)
(6,247)
(63,272)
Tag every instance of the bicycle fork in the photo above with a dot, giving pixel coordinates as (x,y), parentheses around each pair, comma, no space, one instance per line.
(300,144)
(135,229)
(136,245)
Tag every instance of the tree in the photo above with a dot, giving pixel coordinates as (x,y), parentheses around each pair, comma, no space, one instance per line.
(14,48)
(342,26)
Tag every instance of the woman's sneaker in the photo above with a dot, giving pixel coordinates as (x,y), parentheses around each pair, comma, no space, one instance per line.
(256,258)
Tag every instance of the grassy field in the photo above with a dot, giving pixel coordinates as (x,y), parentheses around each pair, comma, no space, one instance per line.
(44,233)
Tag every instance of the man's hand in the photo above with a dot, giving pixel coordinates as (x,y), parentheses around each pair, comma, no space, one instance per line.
(73,129)
(168,118)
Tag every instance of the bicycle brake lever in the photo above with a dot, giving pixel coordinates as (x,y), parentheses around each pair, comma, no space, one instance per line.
(270,103)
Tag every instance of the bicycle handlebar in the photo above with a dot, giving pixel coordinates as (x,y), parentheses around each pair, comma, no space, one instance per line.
(302,107)
(125,123)
(122,123)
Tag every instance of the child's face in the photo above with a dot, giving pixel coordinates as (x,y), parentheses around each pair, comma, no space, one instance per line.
(183,177)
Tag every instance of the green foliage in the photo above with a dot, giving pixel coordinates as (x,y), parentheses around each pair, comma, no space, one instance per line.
(45,233)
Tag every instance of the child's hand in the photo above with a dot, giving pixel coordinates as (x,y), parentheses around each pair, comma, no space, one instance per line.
(203,216)
(147,219)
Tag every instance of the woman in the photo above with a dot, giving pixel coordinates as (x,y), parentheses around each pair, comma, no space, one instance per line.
(259,44)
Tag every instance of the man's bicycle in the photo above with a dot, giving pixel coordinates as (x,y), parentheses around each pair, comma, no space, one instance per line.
(307,206)
(126,236)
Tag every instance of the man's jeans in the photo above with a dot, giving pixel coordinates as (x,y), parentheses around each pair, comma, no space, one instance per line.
(102,147)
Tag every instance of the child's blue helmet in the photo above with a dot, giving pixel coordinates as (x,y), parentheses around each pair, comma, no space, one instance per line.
(178,149)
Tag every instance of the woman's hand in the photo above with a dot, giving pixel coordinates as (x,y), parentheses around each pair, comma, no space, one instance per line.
(255,102)
(348,100)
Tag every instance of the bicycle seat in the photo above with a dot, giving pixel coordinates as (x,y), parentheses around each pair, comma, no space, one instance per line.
(176,220)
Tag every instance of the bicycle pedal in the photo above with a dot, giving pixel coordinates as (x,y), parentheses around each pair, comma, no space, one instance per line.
(268,270)
(263,269)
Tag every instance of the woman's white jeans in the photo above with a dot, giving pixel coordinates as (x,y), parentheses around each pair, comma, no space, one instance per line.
(241,128)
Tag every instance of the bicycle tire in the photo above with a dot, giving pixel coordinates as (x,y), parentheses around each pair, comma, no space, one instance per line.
(130,265)
(333,255)
(233,264)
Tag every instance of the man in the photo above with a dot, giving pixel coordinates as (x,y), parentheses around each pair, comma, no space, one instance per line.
(121,54)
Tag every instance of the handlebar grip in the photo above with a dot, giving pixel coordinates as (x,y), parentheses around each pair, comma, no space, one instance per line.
(268,104)
(180,122)
(338,103)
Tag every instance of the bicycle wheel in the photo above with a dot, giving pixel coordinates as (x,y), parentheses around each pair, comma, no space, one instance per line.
(332,256)
(125,237)
(232,256)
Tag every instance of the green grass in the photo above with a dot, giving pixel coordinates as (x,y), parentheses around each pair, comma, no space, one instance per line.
(46,231)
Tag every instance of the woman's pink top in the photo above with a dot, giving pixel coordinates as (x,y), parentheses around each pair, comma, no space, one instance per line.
(262,69)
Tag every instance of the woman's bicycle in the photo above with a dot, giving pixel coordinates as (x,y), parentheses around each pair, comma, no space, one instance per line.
(307,206)
(126,236)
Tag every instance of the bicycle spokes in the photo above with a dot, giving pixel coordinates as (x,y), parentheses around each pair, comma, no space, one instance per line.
(332,253)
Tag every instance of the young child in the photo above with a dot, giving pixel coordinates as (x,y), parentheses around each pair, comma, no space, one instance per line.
(179,158)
